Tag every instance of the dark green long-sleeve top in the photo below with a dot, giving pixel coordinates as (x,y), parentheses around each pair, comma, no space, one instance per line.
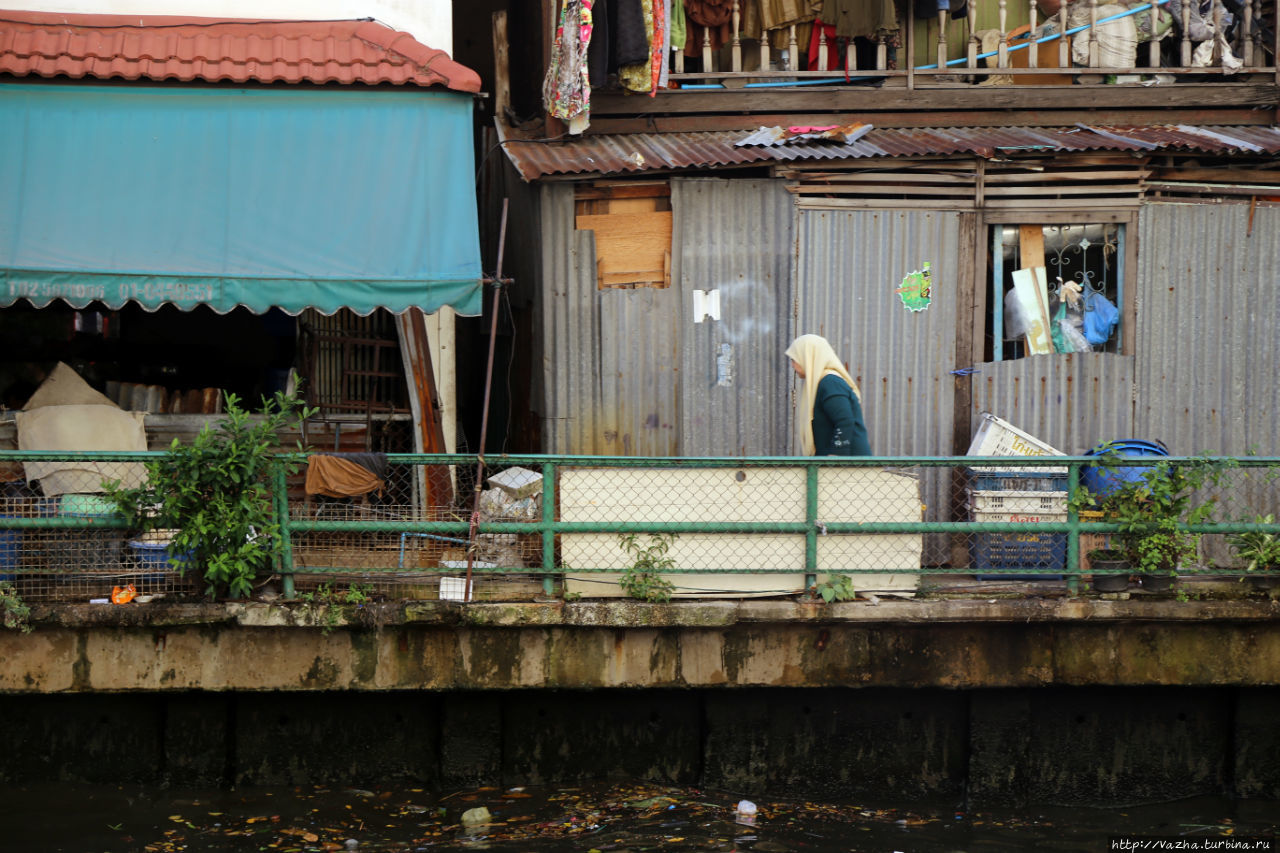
(838,428)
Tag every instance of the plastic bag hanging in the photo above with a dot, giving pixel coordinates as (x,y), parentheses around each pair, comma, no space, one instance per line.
(1100,318)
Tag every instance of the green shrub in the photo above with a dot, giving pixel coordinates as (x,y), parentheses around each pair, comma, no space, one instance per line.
(217,494)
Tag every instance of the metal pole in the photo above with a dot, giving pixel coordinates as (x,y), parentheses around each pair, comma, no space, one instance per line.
(484,413)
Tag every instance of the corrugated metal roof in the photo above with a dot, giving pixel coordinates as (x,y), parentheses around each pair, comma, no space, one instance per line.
(640,152)
(155,47)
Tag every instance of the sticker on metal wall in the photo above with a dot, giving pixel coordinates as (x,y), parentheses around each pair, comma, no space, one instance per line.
(916,291)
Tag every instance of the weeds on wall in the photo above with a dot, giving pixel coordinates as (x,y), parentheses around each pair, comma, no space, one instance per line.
(14,613)
(643,579)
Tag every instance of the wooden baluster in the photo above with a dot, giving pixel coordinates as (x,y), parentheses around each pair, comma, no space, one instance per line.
(1259,50)
(1095,56)
(736,46)
(706,50)
(851,56)
(1032,58)
(882,54)
(1246,35)
(1185,58)
(1216,57)
(680,60)
(1153,46)
(822,48)
(971,54)
(764,50)
(942,38)
(793,52)
(1064,46)
(1002,52)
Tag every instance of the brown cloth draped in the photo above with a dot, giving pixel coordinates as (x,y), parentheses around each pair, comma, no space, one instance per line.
(335,477)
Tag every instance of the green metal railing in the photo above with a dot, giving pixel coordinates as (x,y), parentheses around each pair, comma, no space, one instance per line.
(452,525)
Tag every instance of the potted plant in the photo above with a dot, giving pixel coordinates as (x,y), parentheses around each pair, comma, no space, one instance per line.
(1111,569)
(1260,552)
(1151,510)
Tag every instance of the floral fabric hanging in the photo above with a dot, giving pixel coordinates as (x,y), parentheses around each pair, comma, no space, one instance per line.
(566,91)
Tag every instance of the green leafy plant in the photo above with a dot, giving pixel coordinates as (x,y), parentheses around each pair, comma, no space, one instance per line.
(329,602)
(643,578)
(1260,550)
(836,588)
(216,493)
(14,613)
(1151,509)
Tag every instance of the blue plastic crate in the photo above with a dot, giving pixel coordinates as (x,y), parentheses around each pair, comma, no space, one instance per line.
(1029,480)
(1014,551)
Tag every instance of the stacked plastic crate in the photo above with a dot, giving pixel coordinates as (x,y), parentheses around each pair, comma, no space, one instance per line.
(1026,495)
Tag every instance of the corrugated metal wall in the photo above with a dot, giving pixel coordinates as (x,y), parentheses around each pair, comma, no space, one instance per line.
(849,264)
(1072,402)
(1208,323)
(610,357)
(734,237)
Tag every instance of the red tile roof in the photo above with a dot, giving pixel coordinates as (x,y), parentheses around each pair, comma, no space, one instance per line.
(153,47)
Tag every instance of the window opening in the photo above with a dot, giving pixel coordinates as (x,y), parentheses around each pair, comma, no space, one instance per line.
(1072,306)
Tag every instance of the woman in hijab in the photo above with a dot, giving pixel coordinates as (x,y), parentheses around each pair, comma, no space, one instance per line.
(830,404)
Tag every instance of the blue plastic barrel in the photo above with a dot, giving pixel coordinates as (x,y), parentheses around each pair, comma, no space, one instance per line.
(1102,482)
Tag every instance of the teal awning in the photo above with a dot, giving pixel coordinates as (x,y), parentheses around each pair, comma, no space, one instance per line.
(297,199)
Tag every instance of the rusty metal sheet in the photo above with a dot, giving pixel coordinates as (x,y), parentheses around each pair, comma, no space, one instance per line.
(641,152)
(733,239)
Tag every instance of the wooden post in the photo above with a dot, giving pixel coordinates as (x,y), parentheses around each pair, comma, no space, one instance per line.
(1153,46)
(822,49)
(851,56)
(911,55)
(1215,57)
(501,67)
(793,52)
(1246,35)
(706,50)
(1002,51)
(1185,58)
(971,53)
(736,46)
(1064,44)
(764,50)
(942,38)
(1095,58)
(882,53)
(1032,51)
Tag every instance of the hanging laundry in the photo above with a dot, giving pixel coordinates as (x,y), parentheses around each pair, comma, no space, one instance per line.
(659,46)
(679,27)
(566,91)
(836,47)
(637,76)
(861,18)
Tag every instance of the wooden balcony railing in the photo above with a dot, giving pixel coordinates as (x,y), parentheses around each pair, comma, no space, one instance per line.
(1232,37)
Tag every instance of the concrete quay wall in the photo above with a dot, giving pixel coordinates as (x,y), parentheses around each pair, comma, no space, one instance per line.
(1013,703)
(429,646)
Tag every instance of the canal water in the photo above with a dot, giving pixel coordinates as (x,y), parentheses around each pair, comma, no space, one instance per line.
(623,818)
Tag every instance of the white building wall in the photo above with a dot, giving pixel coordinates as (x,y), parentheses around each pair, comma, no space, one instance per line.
(429,21)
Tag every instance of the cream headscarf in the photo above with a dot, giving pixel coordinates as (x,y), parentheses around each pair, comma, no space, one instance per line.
(817,359)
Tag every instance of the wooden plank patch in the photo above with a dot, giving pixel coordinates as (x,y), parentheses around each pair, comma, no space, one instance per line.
(632,249)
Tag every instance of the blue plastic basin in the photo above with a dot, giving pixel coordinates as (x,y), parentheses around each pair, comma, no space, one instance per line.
(1102,482)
